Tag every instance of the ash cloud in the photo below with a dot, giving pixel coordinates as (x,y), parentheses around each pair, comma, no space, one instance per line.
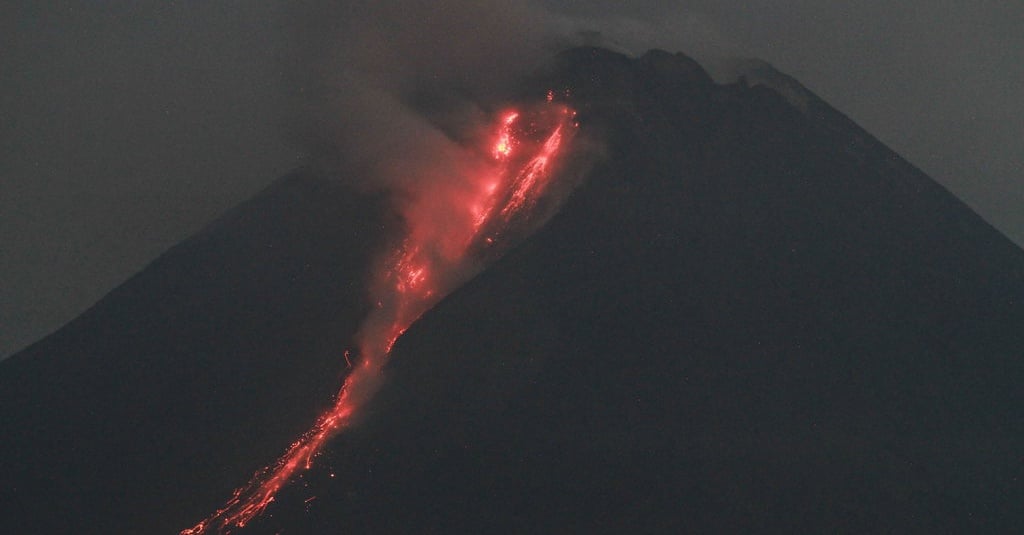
(402,99)
(380,82)
(385,89)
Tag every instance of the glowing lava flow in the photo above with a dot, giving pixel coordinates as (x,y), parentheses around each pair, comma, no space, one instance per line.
(430,262)
(530,178)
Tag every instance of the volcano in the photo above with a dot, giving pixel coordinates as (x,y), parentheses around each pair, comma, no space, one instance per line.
(749,316)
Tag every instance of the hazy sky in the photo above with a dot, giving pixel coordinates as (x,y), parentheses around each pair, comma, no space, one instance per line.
(126,127)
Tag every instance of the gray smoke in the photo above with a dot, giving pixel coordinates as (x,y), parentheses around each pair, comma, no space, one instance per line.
(387,82)
(125,126)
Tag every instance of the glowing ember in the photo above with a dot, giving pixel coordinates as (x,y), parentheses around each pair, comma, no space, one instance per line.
(424,268)
(530,180)
(503,147)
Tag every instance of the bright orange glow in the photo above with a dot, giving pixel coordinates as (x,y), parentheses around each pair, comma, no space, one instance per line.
(532,179)
(424,267)
(503,147)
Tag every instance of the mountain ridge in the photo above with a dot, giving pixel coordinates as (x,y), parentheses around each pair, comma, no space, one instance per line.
(734,323)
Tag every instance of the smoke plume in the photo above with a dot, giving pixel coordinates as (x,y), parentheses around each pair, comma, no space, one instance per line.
(466,178)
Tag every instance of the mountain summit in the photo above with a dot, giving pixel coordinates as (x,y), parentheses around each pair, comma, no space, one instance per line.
(750,317)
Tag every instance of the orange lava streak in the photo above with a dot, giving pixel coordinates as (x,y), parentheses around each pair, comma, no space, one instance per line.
(503,147)
(529,180)
(409,286)
(249,501)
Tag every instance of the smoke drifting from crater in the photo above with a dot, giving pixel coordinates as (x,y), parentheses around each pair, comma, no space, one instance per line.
(379,81)
(464,194)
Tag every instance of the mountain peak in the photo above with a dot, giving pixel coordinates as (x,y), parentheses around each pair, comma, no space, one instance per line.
(596,73)
(750,316)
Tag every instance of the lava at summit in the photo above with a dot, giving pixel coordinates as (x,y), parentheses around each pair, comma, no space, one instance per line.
(430,261)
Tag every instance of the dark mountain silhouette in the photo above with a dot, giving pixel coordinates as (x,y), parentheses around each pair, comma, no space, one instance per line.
(751,317)
(193,373)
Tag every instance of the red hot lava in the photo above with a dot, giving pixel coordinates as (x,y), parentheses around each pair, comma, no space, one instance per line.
(430,262)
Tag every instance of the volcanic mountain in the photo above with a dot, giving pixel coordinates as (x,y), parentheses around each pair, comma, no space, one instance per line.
(751,316)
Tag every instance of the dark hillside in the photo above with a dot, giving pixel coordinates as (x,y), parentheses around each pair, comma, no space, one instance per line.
(751,317)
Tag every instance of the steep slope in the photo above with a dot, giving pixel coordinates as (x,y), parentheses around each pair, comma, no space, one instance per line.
(187,377)
(736,325)
(750,317)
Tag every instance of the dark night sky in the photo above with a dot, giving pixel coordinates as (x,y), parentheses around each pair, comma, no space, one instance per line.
(126,127)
